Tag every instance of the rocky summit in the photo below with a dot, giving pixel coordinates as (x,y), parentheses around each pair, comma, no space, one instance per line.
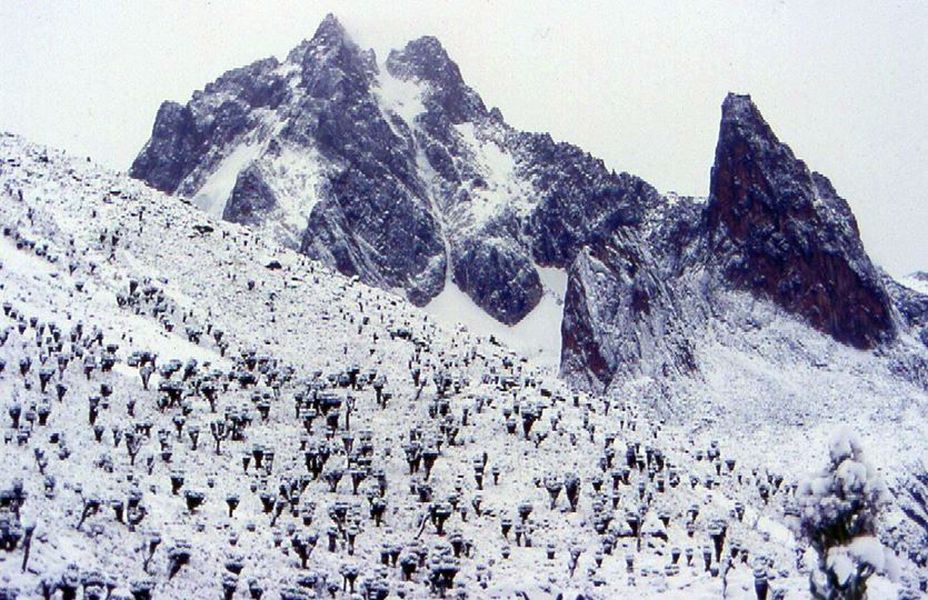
(396,171)
(781,231)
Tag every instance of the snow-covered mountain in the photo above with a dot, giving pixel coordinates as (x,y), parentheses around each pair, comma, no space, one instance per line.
(191,408)
(398,173)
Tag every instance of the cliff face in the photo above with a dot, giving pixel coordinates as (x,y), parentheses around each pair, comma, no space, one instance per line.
(620,319)
(781,232)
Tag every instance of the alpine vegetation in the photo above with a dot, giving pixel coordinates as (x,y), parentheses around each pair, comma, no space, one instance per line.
(839,512)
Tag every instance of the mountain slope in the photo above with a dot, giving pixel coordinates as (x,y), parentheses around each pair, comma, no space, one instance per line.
(98,272)
(121,271)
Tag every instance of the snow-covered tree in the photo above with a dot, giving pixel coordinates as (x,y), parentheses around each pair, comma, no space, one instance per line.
(839,511)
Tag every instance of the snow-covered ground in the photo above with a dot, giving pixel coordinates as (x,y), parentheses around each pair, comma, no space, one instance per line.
(80,236)
(536,336)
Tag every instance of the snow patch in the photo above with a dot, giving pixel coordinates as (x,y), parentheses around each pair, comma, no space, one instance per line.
(537,336)
(294,177)
(404,98)
(215,191)
(503,190)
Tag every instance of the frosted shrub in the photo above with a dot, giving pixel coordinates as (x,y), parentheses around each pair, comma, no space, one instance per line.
(553,485)
(255,590)
(229,583)
(839,509)
(194,499)
(219,431)
(141,589)
(304,544)
(69,582)
(15,410)
(178,556)
(91,506)
(95,586)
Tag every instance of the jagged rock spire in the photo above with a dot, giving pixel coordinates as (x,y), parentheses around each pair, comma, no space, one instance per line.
(780,231)
(425,59)
(330,28)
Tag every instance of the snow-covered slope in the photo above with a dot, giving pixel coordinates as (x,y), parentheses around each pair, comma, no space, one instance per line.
(537,336)
(98,270)
(917,281)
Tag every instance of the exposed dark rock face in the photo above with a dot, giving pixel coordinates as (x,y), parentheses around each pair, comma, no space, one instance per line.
(251,198)
(185,138)
(172,151)
(675,231)
(373,219)
(391,242)
(490,262)
(780,231)
(568,198)
(580,200)
(504,281)
(620,319)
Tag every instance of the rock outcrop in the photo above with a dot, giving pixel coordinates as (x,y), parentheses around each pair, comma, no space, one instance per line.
(780,231)
(620,319)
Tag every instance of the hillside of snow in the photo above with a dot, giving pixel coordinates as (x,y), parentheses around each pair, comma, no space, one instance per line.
(192,410)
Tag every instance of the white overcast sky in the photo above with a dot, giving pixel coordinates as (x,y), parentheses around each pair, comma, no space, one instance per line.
(637,83)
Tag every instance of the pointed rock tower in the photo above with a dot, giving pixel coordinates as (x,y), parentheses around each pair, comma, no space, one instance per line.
(780,231)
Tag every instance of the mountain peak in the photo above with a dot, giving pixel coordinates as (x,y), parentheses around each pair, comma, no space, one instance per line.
(330,39)
(429,46)
(780,231)
(742,120)
(739,107)
(330,29)
(425,59)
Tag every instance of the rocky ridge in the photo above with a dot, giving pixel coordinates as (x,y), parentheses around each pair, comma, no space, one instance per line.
(398,173)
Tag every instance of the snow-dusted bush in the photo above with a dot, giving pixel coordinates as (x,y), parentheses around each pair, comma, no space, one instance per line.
(839,510)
